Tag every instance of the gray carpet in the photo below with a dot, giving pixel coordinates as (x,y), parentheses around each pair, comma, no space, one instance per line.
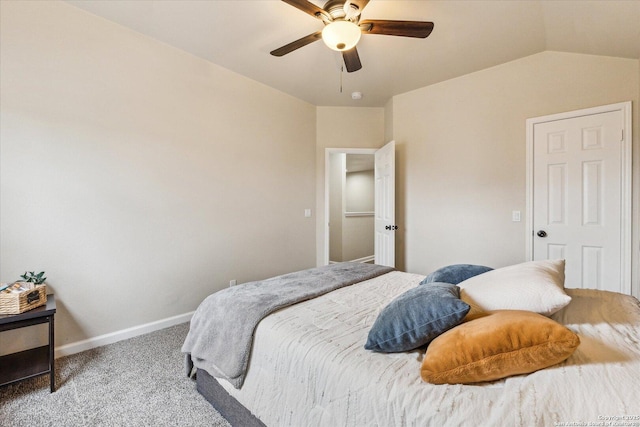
(136,382)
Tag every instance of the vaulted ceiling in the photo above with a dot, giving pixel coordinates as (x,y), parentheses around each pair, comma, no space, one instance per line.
(468,36)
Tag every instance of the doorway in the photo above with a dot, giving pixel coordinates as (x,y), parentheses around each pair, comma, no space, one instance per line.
(579,194)
(378,221)
(351,207)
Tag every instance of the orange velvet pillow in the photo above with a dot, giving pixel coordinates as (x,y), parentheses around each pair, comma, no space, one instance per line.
(498,345)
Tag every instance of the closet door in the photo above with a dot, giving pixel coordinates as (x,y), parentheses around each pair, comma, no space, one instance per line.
(578,201)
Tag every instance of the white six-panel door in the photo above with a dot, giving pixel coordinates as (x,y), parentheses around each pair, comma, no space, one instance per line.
(578,198)
(385,249)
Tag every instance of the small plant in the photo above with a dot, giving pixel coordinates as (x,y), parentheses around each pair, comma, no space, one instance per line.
(31,277)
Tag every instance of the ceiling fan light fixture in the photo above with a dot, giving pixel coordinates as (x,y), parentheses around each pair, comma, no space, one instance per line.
(341,35)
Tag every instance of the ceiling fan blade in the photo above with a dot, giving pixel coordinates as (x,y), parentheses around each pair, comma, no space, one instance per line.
(417,29)
(288,48)
(351,60)
(307,7)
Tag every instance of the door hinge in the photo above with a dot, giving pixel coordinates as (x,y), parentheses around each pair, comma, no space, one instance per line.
(621,135)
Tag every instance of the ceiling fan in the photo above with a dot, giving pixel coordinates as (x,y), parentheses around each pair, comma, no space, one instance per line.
(343,28)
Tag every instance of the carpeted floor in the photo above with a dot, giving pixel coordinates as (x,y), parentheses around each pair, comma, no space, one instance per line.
(136,382)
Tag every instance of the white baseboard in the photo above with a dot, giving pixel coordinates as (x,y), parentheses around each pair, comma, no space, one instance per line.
(112,337)
(369,258)
(364,259)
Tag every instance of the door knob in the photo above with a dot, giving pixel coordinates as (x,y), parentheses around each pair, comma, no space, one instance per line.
(542,233)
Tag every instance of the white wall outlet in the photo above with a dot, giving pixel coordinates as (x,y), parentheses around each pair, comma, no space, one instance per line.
(515,216)
(233,282)
(307,213)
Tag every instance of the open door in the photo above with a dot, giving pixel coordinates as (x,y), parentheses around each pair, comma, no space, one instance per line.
(385,212)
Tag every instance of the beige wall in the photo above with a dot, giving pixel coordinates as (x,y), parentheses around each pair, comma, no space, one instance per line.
(336,178)
(350,237)
(388,121)
(342,127)
(360,191)
(461,153)
(358,232)
(139,177)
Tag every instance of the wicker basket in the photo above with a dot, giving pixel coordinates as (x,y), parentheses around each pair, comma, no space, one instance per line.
(16,303)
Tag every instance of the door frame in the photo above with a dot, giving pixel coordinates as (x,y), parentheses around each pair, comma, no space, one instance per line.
(327,158)
(626,196)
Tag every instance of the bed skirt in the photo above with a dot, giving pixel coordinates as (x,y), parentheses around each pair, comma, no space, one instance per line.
(223,402)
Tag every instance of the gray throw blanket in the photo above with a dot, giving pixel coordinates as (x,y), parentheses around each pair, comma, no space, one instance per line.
(221,331)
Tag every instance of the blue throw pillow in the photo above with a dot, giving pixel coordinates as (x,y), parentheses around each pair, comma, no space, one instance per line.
(455,273)
(416,317)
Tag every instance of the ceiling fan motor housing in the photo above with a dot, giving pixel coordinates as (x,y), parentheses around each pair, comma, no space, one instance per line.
(336,9)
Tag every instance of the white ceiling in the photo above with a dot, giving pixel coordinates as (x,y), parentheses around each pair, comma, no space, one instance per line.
(468,36)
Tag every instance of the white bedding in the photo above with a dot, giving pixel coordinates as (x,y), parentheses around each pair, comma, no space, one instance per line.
(308,367)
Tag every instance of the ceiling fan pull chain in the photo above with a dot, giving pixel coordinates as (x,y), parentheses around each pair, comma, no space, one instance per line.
(341,72)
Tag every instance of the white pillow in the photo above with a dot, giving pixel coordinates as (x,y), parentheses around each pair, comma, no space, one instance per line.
(536,286)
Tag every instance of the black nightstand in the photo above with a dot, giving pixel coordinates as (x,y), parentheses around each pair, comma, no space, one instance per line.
(33,362)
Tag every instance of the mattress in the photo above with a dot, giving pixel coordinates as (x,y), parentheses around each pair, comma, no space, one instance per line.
(308,367)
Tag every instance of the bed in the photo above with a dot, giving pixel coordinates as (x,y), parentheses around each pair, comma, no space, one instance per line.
(308,366)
